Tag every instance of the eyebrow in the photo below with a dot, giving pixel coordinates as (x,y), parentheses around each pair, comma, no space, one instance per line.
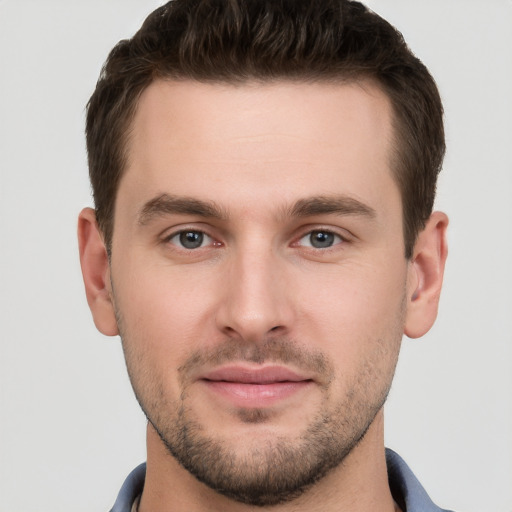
(337,205)
(166,204)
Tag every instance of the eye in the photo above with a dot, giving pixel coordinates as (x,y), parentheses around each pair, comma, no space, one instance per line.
(190,239)
(320,239)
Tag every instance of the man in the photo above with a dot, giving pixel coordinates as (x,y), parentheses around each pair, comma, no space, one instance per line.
(264,176)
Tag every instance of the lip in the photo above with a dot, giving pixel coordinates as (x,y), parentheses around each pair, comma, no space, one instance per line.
(245,386)
(254,375)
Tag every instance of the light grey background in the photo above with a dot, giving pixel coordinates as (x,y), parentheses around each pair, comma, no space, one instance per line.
(70,430)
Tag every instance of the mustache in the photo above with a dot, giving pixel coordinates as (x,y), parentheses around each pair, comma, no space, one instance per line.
(275,350)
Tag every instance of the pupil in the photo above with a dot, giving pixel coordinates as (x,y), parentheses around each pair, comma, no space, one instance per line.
(320,239)
(191,239)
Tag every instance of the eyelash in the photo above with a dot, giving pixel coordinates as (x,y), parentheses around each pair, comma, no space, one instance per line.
(177,234)
(338,239)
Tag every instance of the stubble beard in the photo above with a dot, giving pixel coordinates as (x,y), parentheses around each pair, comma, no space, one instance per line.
(278,469)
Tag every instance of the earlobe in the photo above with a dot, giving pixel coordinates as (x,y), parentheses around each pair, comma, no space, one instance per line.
(425,279)
(96,272)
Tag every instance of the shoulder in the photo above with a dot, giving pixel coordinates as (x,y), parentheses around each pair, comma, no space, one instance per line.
(406,488)
(131,489)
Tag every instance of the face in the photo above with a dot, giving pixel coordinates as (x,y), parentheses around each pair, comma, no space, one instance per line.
(258,277)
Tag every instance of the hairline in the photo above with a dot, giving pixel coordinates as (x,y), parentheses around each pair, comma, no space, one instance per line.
(395,149)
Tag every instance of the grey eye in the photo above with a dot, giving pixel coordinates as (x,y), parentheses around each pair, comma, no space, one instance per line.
(320,239)
(190,239)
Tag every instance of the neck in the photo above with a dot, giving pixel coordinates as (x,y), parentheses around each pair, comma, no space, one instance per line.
(359,484)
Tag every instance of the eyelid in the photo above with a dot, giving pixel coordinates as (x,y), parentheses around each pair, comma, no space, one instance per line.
(205,241)
(343,234)
(167,236)
(307,243)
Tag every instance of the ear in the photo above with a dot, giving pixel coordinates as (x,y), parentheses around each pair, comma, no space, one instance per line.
(425,277)
(96,272)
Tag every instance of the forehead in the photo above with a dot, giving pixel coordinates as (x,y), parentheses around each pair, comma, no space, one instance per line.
(190,138)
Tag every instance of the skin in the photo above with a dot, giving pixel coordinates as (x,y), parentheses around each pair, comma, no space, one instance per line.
(264,155)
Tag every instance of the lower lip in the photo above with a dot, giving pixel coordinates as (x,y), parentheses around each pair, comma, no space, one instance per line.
(256,395)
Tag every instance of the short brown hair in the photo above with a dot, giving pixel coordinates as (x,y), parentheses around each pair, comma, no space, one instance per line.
(240,40)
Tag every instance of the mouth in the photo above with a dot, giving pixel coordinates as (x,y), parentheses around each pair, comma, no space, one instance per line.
(245,386)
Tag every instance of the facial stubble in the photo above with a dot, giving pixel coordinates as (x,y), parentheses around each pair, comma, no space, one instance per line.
(277,469)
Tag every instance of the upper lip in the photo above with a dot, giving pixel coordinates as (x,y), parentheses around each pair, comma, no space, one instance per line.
(254,375)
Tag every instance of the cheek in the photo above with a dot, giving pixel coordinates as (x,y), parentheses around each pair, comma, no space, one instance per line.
(161,310)
(354,309)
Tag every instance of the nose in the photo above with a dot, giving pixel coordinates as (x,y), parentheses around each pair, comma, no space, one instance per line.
(256,300)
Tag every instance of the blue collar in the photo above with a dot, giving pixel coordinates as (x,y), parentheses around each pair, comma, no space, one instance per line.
(405,487)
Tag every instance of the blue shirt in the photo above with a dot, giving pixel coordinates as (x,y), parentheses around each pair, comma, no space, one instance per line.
(405,488)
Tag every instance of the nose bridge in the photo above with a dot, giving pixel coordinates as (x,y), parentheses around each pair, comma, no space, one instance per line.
(255,302)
